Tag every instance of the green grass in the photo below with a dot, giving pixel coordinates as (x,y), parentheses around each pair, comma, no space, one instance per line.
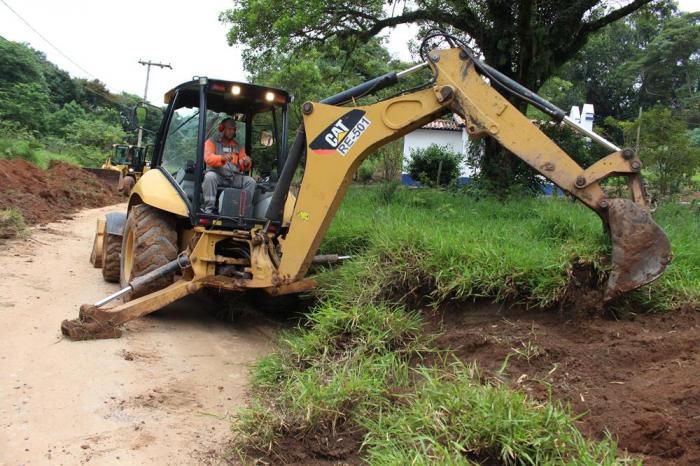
(362,359)
(12,223)
(450,246)
(458,247)
(680,283)
(37,153)
(371,367)
(452,419)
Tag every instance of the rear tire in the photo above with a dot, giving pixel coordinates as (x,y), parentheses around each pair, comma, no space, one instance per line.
(111,252)
(149,242)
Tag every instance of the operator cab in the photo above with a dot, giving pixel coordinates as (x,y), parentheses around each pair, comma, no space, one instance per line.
(195,111)
(119,154)
(136,158)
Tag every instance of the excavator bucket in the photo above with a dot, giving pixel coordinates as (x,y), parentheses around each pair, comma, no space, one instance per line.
(640,249)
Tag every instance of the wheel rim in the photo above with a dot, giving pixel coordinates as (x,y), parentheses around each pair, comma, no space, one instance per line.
(128,254)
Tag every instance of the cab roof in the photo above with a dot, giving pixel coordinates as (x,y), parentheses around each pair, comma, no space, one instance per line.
(229,96)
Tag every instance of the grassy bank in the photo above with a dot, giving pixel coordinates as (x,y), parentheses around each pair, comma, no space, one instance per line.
(41,153)
(360,372)
(450,246)
(366,375)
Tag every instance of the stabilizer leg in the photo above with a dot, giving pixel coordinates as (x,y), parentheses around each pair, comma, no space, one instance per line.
(97,323)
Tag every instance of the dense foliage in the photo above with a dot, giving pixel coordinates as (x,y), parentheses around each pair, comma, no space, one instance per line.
(525,40)
(666,148)
(43,107)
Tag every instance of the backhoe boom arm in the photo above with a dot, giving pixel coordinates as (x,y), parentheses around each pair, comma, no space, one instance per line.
(338,139)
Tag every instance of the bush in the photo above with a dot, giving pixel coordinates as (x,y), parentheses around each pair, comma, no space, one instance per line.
(387,191)
(11,223)
(365,172)
(425,164)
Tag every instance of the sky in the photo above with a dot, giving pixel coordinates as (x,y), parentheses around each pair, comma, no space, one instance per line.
(106,39)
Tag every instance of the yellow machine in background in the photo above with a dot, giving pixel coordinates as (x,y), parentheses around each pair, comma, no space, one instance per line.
(170,248)
(124,166)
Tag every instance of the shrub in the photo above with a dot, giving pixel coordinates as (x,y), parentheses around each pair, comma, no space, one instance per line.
(425,164)
(11,223)
(365,172)
(387,191)
(18,149)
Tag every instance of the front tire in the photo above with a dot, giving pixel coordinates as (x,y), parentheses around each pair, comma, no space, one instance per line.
(149,242)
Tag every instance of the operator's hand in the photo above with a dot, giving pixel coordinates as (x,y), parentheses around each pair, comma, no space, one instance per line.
(227,157)
(245,163)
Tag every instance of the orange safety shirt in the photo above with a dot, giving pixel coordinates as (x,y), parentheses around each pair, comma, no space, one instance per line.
(215,149)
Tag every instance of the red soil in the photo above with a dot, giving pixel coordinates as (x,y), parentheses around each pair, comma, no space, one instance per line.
(637,378)
(44,196)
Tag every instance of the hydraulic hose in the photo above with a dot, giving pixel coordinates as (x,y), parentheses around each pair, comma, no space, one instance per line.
(276,208)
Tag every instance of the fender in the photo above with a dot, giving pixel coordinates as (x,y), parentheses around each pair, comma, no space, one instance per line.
(154,189)
(114,223)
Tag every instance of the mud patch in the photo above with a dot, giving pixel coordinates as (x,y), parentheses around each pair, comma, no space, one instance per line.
(636,378)
(584,290)
(339,446)
(44,196)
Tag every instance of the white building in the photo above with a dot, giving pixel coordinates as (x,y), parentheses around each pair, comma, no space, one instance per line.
(451,134)
(446,133)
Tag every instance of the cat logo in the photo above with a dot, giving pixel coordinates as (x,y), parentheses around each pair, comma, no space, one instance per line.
(341,135)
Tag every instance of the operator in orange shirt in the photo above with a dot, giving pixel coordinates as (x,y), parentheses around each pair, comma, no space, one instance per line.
(226,162)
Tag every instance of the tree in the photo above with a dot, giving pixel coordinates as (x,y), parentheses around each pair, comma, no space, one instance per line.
(62,88)
(650,58)
(25,103)
(665,147)
(526,40)
(67,115)
(94,132)
(314,73)
(668,73)
(18,64)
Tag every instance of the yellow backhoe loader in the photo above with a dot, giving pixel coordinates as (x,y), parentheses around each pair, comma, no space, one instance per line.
(123,167)
(167,247)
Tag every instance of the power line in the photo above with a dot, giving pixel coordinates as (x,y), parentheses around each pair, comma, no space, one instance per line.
(46,40)
(109,97)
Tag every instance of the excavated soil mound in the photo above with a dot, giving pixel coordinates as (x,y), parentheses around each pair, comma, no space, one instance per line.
(638,378)
(44,196)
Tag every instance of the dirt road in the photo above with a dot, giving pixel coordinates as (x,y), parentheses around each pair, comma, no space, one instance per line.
(162,394)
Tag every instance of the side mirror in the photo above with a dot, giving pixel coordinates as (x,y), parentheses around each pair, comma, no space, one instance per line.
(140,114)
(266,138)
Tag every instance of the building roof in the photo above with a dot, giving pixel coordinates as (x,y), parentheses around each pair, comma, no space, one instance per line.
(443,125)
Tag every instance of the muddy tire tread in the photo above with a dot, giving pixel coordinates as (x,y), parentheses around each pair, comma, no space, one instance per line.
(111,261)
(155,244)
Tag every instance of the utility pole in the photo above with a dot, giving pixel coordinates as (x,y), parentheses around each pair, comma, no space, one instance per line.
(148,65)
